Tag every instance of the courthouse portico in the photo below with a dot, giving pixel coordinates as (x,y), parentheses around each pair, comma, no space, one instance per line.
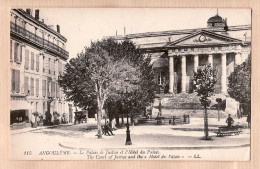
(203,48)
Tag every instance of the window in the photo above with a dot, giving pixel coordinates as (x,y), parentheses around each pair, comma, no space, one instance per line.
(21,54)
(43,88)
(26,65)
(37,63)
(54,67)
(43,65)
(53,89)
(37,87)
(32,86)
(57,91)
(11,50)
(49,65)
(16,52)
(59,67)
(15,81)
(48,89)
(26,85)
(32,61)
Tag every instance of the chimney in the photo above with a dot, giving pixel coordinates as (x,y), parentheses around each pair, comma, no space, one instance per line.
(28,11)
(37,14)
(58,28)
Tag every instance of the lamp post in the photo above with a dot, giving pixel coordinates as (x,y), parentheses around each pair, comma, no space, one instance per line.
(128,138)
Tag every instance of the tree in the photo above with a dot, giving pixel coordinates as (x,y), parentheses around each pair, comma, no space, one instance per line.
(239,86)
(204,81)
(90,77)
(93,78)
(141,85)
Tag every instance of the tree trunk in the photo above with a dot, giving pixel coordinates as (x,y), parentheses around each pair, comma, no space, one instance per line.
(99,122)
(117,121)
(206,129)
(122,117)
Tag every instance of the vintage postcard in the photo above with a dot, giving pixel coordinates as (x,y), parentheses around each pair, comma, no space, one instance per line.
(130,84)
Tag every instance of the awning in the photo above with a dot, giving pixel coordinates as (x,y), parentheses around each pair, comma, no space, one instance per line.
(20,105)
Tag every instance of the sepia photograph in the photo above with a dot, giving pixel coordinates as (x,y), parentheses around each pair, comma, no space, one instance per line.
(130,84)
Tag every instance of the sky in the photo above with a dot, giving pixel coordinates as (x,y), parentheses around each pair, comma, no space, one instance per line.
(82,25)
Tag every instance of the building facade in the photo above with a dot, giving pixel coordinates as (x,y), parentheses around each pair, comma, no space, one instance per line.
(176,54)
(37,57)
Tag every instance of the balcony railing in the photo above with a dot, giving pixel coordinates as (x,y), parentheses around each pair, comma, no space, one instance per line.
(36,39)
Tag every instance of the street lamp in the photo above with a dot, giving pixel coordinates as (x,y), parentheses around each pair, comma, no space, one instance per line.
(128,138)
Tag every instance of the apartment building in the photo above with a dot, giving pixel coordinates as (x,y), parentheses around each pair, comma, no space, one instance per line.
(37,57)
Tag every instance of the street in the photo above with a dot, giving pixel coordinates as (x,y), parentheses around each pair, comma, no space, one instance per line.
(173,141)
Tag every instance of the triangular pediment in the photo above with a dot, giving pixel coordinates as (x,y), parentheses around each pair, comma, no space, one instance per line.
(203,38)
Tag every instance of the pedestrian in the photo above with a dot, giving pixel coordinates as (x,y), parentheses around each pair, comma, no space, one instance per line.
(33,121)
(108,129)
(96,117)
(229,121)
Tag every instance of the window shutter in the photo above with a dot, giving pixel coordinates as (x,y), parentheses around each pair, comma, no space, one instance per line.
(32,86)
(32,61)
(15,51)
(54,67)
(13,80)
(11,50)
(37,87)
(59,68)
(17,81)
(37,62)
(21,53)
(48,88)
(57,90)
(52,89)
(26,65)
(43,88)
(26,85)
(49,65)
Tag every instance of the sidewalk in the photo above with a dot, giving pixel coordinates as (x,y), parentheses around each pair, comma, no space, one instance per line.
(28,129)
(164,137)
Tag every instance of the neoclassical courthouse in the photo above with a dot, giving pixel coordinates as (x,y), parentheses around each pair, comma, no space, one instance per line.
(177,53)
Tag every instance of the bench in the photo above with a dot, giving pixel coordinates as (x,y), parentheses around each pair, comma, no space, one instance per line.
(224,131)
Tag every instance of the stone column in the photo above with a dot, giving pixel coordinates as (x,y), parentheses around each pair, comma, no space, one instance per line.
(171,73)
(224,73)
(196,62)
(183,74)
(210,60)
(238,58)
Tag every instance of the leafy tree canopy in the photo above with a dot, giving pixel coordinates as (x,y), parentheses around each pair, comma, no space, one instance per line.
(204,81)
(98,75)
(239,86)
